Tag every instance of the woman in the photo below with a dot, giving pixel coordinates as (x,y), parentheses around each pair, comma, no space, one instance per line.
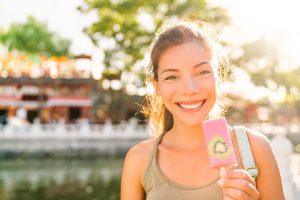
(187,71)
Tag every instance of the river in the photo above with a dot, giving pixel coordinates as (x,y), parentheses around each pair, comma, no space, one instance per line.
(29,179)
(64,179)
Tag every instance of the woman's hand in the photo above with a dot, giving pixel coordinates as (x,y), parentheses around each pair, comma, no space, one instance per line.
(237,184)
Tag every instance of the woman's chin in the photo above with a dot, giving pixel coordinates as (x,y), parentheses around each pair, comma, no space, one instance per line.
(193,121)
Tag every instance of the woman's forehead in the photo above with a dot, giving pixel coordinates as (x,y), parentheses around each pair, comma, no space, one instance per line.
(184,55)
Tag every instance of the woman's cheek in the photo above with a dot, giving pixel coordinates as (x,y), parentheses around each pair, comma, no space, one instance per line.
(167,93)
(209,84)
(168,88)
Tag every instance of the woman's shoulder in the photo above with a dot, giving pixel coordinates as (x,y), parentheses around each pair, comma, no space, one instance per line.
(257,140)
(140,154)
(134,166)
(261,148)
(142,149)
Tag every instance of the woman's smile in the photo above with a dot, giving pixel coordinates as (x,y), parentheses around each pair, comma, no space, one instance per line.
(191,106)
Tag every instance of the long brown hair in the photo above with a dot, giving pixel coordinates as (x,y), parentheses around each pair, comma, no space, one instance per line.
(161,120)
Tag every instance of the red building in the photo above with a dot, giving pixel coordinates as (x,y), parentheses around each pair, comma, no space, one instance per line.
(51,89)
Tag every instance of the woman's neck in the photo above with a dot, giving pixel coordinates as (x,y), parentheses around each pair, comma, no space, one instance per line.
(189,137)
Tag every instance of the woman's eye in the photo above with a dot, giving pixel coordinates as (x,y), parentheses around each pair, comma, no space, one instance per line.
(203,73)
(170,77)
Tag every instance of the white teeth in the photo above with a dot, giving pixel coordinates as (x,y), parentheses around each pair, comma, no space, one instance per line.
(191,106)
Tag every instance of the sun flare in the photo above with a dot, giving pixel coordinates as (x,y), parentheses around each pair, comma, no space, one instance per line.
(276,19)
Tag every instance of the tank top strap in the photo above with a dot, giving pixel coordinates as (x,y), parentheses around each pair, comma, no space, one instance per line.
(149,168)
(155,147)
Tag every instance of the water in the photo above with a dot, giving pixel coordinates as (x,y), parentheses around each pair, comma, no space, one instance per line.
(48,179)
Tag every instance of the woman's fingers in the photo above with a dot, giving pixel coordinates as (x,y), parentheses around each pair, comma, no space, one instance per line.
(227,198)
(242,185)
(236,194)
(238,184)
(239,174)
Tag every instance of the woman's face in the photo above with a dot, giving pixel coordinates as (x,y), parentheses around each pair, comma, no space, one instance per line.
(187,82)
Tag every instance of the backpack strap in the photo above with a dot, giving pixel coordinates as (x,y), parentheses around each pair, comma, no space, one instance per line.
(245,151)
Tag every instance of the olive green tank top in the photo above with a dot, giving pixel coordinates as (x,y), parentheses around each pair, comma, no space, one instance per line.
(158,186)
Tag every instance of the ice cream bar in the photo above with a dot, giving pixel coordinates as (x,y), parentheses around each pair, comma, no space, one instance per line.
(218,141)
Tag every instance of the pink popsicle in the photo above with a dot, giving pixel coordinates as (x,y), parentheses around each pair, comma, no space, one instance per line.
(218,141)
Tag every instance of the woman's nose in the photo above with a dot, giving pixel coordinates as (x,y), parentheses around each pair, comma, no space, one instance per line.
(189,86)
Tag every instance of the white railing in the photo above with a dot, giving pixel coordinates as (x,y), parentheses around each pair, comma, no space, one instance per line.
(124,129)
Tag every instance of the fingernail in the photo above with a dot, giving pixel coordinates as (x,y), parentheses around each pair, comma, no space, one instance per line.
(222,172)
(220,182)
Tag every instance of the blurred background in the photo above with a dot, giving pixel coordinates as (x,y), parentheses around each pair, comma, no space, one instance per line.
(72,81)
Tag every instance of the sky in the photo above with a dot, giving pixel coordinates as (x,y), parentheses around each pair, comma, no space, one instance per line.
(275,19)
(250,19)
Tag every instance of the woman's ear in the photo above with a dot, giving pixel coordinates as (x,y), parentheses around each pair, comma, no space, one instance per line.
(156,86)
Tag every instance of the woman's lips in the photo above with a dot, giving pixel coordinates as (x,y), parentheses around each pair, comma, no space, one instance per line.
(191,106)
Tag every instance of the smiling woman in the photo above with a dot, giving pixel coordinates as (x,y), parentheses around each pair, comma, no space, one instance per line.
(187,70)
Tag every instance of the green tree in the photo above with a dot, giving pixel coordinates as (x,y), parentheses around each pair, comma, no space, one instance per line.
(129,27)
(34,37)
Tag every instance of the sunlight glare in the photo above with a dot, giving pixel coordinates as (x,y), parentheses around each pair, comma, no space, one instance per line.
(276,19)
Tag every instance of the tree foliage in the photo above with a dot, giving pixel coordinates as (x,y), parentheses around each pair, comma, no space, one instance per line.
(34,37)
(129,26)
(262,60)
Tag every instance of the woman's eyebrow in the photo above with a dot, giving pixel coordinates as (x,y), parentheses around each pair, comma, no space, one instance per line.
(169,70)
(201,64)
(195,66)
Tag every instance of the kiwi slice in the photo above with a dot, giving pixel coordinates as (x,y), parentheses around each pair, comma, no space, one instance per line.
(218,148)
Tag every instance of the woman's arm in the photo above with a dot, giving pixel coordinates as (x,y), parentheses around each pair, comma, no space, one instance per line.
(134,167)
(269,180)
(131,188)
